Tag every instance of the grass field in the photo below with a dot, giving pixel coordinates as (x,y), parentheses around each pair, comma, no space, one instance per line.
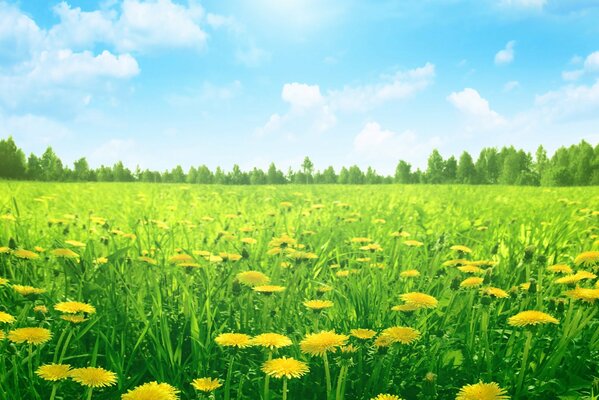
(445,267)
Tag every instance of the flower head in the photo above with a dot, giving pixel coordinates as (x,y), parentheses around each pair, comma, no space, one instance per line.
(64,253)
(30,335)
(285,367)
(252,278)
(268,289)
(384,396)
(152,391)
(584,294)
(74,307)
(240,340)
(27,290)
(460,248)
(419,300)
(560,269)
(54,372)
(410,273)
(317,344)
(26,254)
(587,258)
(482,391)
(471,282)
(206,384)
(401,334)
(6,318)
(363,334)
(531,317)
(271,340)
(318,304)
(495,292)
(93,377)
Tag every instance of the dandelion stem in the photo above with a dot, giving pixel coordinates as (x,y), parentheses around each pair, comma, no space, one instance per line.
(229,376)
(53,394)
(340,383)
(527,346)
(89,393)
(284,388)
(327,372)
(267,380)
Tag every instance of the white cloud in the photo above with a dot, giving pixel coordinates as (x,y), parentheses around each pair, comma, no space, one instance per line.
(115,150)
(570,101)
(531,4)
(19,34)
(572,75)
(476,109)
(506,55)
(400,85)
(590,66)
(252,56)
(301,95)
(511,85)
(591,63)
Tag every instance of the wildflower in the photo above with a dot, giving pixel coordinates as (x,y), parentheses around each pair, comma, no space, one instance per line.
(384,396)
(74,319)
(64,253)
(531,317)
(587,258)
(75,243)
(413,243)
(268,289)
(419,300)
(26,254)
(495,292)
(239,340)
(30,335)
(206,384)
(271,340)
(410,273)
(482,391)
(252,278)
(93,377)
(317,344)
(152,391)
(74,307)
(471,269)
(560,269)
(54,372)
(584,294)
(363,334)
(471,282)
(179,258)
(460,248)
(3,281)
(41,309)
(318,305)
(6,318)
(285,367)
(148,260)
(401,334)
(27,290)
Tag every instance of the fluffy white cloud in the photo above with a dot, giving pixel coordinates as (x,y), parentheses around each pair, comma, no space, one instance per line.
(476,109)
(252,56)
(572,75)
(590,66)
(301,95)
(400,85)
(19,34)
(570,101)
(506,55)
(511,85)
(591,63)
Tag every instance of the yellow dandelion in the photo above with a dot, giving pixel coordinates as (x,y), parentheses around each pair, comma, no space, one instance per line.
(400,234)
(74,319)
(285,368)
(383,341)
(26,254)
(584,294)
(585,275)
(531,317)
(152,391)
(401,334)
(101,261)
(271,340)
(405,307)
(460,248)
(179,258)
(495,292)
(148,260)
(372,247)
(413,243)
(560,269)
(268,289)
(456,262)
(40,309)
(64,253)
(239,340)
(471,269)
(4,250)
(410,273)
(360,240)
(74,307)
(362,333)
(6,318)
(75,243)
(249,240)
(318,304)
(482,391)
(587,258)
(230,256)
(2,335)
(471,282)
(342,274)
(30,335)
(419,300)
(93,377)
(25,290)
(206,384)
(3,281)
(324,289)
(54,372)
(384,396)
(252,278)
(317,344)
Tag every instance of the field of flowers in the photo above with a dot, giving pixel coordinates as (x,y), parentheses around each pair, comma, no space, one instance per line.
(162,292)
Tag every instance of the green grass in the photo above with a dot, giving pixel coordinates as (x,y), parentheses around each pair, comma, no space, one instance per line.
(158,322)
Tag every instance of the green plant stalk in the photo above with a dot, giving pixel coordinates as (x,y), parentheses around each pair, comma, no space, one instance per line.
(54,389)
(527,347)
(89,393)
(340,383)
(327,373)
(267,380)
(228,381)
(284,388)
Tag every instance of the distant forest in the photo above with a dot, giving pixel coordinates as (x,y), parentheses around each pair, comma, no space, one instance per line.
(576,165)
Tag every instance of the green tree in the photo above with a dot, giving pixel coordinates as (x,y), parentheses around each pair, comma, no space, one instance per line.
(450,170)
(12,160)
(436,165)
(466,172)
(81,170)
(403,173)
(307,169)
(51,165)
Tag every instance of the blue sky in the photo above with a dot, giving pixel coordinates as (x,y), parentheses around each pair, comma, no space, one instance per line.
(158,83)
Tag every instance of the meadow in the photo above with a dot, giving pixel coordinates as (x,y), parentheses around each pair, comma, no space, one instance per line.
(157,291)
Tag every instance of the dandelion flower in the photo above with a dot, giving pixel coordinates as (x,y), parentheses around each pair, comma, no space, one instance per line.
(271,340)
(75,243)
(363,334)
(239,340)
(584,294)
(471,282)
(360,240)
(252,278)
(64,253)
(413,243)
(419,300)
(372,247)
(54,372)
(587,258)
(26,254)
(6,318)
(3,281)
(383,341)
(317,344)
(405,307)
(410,273)
(482,391)
(318,305)
(206,384)
(560,269)
(471,269)
(285,367)
(74,307)
(531,317)
(30,335)
(495,292)
(152,391)
(179,258)
(27,290)
(401,334)
(148,260)
(94,377)
(460,248)
(384,396)
(41,309)
(268,289)
(74,319)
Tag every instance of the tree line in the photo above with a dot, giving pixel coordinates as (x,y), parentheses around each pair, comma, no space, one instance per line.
(576,165)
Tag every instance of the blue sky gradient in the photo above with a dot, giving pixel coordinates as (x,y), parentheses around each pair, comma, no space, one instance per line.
(163,82)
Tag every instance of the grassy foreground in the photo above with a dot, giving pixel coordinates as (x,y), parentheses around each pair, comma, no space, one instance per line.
(155,271)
